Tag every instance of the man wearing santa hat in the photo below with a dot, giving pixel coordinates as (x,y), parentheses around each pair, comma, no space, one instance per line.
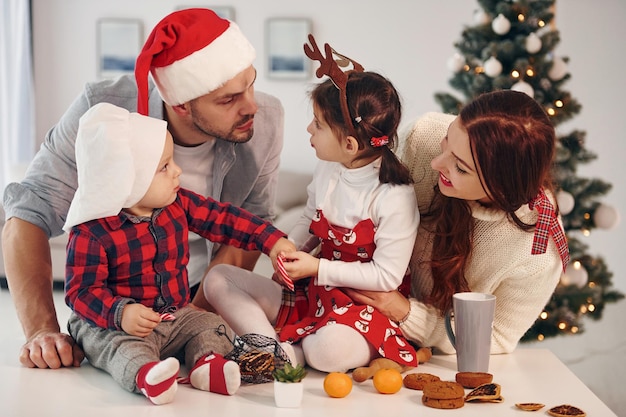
(196,72)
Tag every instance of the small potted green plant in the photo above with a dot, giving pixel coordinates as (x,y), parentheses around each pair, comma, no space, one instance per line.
(288,387)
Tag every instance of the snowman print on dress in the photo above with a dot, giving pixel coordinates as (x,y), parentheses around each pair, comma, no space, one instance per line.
(340,310)
(362,253)
(319,312)
(363,325)
(303,330)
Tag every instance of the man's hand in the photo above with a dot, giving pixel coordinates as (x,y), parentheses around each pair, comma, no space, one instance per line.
(139,320)
(51,349)
(28,268)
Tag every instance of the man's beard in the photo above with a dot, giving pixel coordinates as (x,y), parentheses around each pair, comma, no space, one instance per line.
(227,135)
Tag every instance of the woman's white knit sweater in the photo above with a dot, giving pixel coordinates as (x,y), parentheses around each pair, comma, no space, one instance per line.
(501,261)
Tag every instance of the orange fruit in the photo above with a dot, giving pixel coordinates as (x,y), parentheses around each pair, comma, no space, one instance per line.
(337,384)
(387,381)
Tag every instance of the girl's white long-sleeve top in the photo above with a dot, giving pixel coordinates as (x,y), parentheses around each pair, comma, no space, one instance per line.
(348,196)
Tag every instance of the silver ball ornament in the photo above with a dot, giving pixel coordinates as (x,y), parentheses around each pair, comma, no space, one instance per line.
(533,43)
(493,67)
(523,87)
(481,17)
(565,201)
(456,62)
(558,69)
(575,274)
(606,217)
(501,25)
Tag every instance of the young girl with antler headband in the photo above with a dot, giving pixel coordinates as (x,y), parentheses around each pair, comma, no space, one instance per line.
(362,209)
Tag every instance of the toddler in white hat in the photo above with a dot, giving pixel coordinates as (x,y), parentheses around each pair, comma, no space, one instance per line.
(126,275)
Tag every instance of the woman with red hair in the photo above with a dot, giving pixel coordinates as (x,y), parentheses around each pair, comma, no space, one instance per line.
(489,220)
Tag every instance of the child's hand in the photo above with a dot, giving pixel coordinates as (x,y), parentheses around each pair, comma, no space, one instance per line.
(300,265)
(139,320)
(280,248)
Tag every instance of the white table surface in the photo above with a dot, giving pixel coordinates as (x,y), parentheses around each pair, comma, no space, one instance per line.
(527,375)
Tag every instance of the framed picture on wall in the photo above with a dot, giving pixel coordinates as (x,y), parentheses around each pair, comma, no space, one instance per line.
(119,43)
(225,12)
(285,38)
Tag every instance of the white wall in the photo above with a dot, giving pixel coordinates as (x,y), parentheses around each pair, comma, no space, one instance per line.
(410,45)
(409,42)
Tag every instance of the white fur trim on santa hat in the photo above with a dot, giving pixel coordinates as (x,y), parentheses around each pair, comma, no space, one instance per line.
(117,155)
(206,69)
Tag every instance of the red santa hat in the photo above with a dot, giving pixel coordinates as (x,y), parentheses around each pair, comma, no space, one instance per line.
(190,53)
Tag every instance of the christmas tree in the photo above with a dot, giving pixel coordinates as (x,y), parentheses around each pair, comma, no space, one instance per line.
(511,46)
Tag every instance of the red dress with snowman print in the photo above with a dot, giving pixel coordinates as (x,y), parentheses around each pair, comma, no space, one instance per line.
(325,305)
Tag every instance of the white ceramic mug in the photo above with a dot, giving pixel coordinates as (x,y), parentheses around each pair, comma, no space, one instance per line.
(473,320)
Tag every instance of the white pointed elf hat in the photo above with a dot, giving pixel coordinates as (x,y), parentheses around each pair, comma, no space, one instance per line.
(117,155)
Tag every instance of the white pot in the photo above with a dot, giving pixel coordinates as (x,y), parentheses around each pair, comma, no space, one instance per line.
(288,394)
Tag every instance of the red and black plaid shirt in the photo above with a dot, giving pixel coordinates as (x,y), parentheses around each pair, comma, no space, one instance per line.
(121,259)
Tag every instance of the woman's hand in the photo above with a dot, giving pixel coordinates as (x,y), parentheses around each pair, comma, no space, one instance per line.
(391,303)
(139,320)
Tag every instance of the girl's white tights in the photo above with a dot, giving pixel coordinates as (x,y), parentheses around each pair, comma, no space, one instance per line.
(249,303)
(337,348)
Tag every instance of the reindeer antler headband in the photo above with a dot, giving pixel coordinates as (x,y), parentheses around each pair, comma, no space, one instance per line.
(330,65)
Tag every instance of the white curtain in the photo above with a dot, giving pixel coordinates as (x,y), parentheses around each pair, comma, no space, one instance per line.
(17,121)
